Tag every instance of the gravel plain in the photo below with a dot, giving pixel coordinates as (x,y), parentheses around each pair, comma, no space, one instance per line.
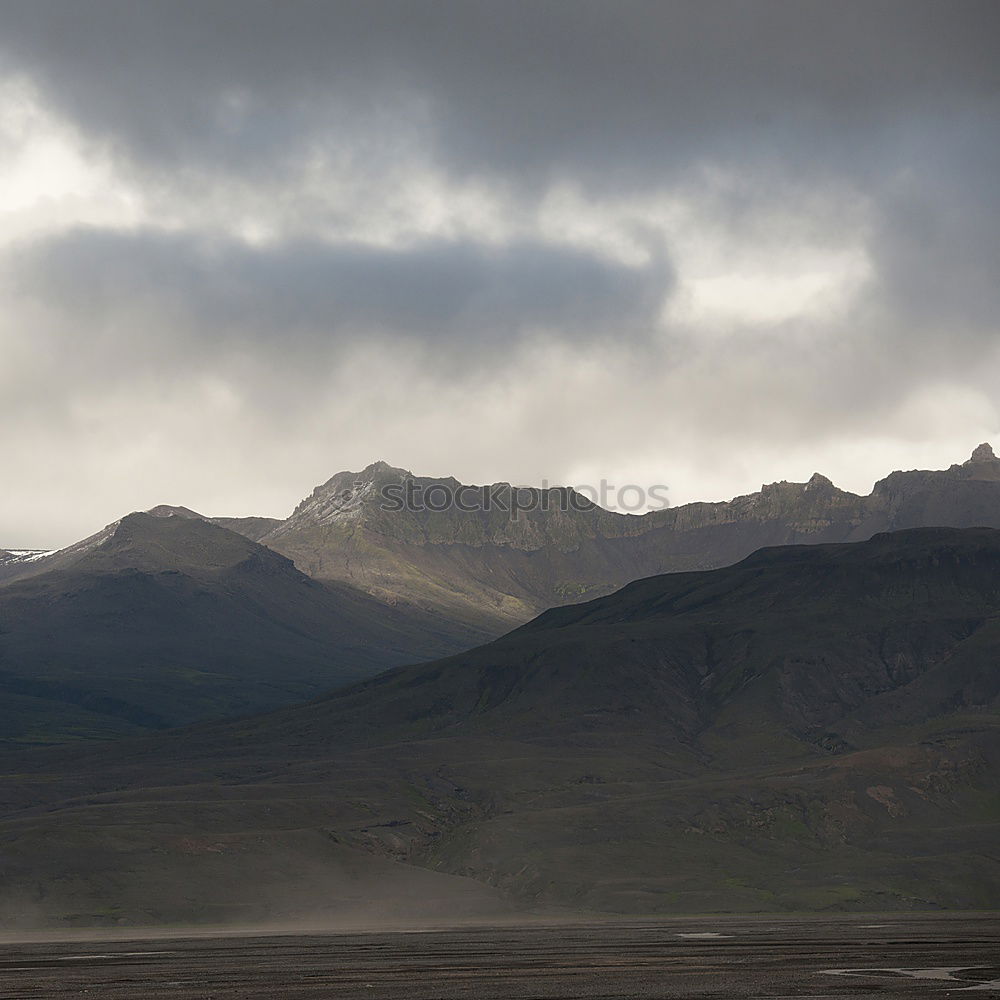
(727,957)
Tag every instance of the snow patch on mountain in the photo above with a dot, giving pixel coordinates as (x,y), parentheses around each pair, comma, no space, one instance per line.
(8,556)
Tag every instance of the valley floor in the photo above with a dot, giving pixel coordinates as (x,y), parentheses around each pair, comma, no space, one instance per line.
(717,957)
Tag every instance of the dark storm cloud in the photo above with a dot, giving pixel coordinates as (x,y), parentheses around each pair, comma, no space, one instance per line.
(300,295)
(621,96)
(938,240)
(512,88)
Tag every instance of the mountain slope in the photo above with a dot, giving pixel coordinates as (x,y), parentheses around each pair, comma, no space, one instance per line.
(800,638)
(163,620)
(814,728)
(488,568)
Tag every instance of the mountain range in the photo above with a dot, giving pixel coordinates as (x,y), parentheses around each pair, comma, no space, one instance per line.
(494,571)
(169,617)
(813,728)
(497,570)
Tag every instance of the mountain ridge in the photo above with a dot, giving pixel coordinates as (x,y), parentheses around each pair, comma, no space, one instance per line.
(485,563)
(487,570)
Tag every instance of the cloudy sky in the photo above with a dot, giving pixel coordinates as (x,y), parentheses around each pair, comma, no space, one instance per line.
(247,244)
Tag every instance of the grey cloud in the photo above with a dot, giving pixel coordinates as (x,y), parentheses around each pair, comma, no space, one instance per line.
(514,89)
(937,247)
(304,295)
(618,95)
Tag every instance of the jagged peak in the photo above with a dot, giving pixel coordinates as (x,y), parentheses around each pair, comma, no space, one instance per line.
(377,472)
(817,479)
(381,466)
(983,453)
(345,493)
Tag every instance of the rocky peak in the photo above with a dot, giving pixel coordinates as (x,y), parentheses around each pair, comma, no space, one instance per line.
(818,481)
(346,494)
(984,453)
(374,474)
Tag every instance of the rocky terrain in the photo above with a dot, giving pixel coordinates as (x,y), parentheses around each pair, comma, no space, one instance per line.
(508,957)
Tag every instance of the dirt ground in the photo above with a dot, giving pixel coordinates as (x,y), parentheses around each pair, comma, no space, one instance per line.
(846,957)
